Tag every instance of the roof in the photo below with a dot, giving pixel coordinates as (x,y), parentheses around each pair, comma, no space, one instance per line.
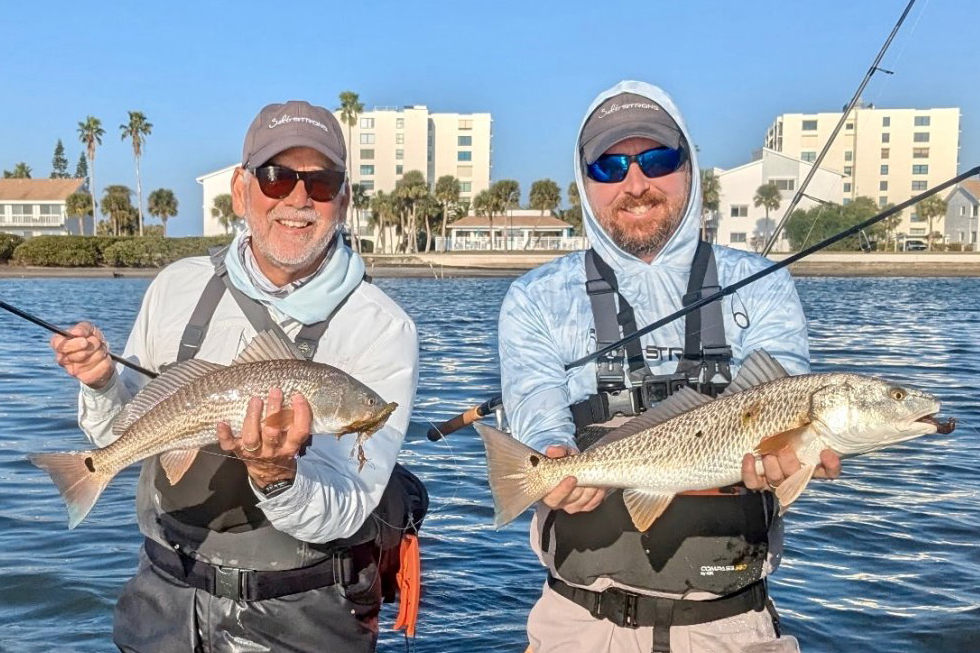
(538,221)
(214,173)
(972,186)
(49,190)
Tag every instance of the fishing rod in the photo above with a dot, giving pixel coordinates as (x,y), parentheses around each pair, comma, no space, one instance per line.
(840,123)
(53,329)
(464,419)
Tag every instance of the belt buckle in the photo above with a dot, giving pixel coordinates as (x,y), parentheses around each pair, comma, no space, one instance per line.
(229,583)
(623,611)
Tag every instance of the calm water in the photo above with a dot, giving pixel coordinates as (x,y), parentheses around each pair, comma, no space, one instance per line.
(887,558)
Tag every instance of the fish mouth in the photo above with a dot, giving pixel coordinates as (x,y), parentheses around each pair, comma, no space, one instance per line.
(374,423)
(941,427)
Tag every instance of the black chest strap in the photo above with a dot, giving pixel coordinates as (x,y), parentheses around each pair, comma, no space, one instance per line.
(706,351)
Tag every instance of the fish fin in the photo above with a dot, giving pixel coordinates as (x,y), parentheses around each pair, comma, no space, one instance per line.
(508,461)
(679,402)
(778,441)
(176,462)
(791,488)
(281,419)
(80,487)
(645,506)
(757,368)
(267,346)
(159,389)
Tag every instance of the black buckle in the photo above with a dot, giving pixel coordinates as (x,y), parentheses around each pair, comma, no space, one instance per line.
(622,402)
(658,388)
(609,371)
(618,606)
(718,353)
(229,583)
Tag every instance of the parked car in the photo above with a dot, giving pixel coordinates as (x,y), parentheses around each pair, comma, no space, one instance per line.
(914,246)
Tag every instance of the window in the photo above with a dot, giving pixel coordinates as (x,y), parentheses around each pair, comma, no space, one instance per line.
(846,201)
(399,139)
(50,209)
(847,171)
(367,184)
(367,170)
(464,141)
(849,126)
(920,184)
(886,137)
(962,210)
(367,139)
(920,152)
(740,210)
(885,152)
(920,169)
(915,217)
(882,185)
(921,137)
(466,124)
(883,201)
(884,169)
(464,155)
(886,121)
(21,210)
(399,123)
(465,186)
(922,121)
(847,187)
(464,171)
(399,169)
(367,123)
(917,232)
(785,184)
(737,237)
(809,157)
(399,154)
(809,125)
(848,155)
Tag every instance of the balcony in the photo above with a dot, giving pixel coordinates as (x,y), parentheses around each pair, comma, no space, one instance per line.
(31,220)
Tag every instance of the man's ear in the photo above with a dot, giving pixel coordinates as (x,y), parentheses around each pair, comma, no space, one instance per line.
(238,190)
(344,202)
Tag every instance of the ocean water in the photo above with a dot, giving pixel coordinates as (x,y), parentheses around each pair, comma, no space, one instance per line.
(886,558)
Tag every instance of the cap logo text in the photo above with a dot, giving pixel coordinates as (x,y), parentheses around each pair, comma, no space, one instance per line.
(286,118)
(608,111)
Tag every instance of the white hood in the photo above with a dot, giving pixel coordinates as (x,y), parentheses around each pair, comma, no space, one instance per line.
(678,252)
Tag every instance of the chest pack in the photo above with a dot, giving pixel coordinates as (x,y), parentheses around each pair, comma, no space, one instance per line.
(714,543)
(213,514)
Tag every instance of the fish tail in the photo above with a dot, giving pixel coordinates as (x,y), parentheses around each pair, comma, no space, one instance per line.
(77,480)
(508,466)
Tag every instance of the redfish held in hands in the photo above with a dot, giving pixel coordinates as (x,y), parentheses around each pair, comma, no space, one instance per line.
(177,413)
(693,442)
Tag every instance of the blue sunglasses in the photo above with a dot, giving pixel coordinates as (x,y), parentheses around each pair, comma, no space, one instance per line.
(660,161)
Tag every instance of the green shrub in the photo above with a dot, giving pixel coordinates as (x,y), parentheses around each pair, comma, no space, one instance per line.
(94,251)
(61,251)
(8,242)
(158,252)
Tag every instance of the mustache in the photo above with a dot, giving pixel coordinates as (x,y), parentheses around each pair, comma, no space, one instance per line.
(649,197)
(283,212)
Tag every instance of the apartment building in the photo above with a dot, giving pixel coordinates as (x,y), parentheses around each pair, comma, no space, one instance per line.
(888,155)
(36,207)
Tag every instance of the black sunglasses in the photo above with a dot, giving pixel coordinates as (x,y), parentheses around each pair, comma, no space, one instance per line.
(656,162)
(278,182)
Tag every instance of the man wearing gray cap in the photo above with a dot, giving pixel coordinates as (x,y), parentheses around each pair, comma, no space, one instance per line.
(696,579)
(271,541)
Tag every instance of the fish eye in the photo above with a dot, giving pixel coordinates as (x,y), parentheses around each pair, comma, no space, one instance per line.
(371,401)
(897,394)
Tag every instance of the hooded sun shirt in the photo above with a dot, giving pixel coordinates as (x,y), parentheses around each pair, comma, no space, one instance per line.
(546,317)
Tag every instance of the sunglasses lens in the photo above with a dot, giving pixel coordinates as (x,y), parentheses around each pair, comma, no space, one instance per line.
(661,161)
(324,185)
(609,168)
(275,181)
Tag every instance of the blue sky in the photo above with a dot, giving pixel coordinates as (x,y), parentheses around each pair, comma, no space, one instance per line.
(201,70)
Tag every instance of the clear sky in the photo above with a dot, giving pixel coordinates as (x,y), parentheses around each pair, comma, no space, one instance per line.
(201,70)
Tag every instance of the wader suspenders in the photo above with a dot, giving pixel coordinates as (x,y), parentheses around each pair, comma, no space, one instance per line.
(306,340)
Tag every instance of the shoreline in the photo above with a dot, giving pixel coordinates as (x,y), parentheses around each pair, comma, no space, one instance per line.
(487,264)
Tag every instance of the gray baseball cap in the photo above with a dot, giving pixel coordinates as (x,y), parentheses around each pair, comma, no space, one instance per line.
(296,123)
(624,116)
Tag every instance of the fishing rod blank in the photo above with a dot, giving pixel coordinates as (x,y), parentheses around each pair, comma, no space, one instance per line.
(464,419)
(52,328)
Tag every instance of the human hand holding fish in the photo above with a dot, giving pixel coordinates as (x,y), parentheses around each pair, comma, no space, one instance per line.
(783,464)
(268,444)
(85,357)
(569,495)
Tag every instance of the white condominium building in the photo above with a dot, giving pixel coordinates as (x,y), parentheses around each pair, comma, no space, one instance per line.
(888,155)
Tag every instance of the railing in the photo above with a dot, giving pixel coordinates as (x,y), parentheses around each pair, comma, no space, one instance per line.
(32,221)
(513,244)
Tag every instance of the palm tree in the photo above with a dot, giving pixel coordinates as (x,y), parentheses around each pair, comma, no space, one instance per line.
(350,107)
(118,207)
(21,171)
(221,208)
(447,194)
(78,205)
(162,204)
(931,208)
(710,198)
(508,193)
(359,200)
(381,209)
(768,197)
(489,203)
(412,189)
(137,130)
(545,195)
(573,196)
(90,133)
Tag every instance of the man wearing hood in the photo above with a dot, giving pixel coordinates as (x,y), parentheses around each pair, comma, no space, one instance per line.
(269,544)
(695,580)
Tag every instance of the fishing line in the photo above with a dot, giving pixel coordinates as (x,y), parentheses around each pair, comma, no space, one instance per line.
(905,44)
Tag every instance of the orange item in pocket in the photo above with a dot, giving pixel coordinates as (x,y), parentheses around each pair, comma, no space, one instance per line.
(409,584)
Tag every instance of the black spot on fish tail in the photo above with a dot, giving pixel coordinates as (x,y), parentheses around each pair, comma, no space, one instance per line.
(534,461)
(89,464)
